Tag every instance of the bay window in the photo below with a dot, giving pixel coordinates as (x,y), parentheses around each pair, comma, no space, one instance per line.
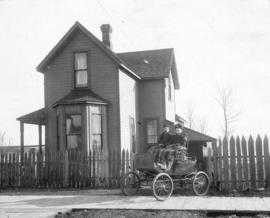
(74,131)
(96,123)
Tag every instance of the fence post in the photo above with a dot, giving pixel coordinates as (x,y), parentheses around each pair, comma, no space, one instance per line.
(94,168)
(239,164)
(209,168)
(226,164)
(123,161)
(266,161)
(17,170)
(106,167)
(245,162)
(66,169)
(117,167)
(259,159)
(252,162)
(127,161)
(215,162)
(232,161)
(220,170)
(90,165)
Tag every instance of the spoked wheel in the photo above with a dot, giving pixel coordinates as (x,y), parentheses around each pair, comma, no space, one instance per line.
(200,183)
(130,183)
(162,186)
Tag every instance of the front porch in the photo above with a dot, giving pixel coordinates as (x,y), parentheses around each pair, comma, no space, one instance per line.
(34,118)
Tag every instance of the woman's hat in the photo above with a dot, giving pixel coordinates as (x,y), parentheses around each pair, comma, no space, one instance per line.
(178,125)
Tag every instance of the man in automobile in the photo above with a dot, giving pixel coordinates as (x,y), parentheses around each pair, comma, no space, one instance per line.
(165,137)
(163,140)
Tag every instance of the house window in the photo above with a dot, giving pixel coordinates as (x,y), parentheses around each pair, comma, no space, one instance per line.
(151,131)
(74,131)
(80,69)
(58,132)
(96,123)
(132,134)
(169,88)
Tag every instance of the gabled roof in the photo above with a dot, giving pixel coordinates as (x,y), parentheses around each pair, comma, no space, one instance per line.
(35,117)
(81,96)
(152,64)
(65,39)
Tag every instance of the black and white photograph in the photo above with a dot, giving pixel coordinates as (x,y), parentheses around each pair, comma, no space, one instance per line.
(134,108)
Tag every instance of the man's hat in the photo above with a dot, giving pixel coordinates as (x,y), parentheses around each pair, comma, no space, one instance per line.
(178,125)
(165,125)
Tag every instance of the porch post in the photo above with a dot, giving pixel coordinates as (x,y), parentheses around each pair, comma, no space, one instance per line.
(40,137)
(22,140)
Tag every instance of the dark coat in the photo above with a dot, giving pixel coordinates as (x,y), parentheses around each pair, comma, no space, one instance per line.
(164,138)
(180,139)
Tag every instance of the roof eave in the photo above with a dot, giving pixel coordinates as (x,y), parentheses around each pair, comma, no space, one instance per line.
(79,102)
(130,71)
(40,68)
(154,78)
(209,138)
(175,72)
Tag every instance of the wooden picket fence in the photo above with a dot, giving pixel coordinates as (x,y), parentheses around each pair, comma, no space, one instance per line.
(64,169)
(239,164)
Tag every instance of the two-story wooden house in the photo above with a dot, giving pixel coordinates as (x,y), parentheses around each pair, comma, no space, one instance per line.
(98,99)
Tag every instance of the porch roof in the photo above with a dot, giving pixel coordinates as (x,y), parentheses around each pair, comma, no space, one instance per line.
(197,136)
(36,117)
(178,118)
(81,96)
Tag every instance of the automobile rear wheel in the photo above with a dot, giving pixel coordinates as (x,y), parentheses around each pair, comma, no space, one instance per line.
(130,183)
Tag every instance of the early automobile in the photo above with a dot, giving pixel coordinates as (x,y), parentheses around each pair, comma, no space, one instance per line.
(147,174)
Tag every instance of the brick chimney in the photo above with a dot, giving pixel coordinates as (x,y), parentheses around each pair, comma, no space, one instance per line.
(106,30)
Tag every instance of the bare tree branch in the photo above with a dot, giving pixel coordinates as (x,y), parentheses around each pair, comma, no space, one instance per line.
(228,105)
(203,126)
(4,139)
(190,116)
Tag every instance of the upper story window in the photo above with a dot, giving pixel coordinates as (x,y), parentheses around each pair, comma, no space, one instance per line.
(80,69)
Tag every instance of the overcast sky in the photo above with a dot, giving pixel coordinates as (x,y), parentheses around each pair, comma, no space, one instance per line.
(217,43)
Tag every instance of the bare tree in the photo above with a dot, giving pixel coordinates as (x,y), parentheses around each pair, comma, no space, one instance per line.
(4,139)
(203,126)
(190,116)
(230,112)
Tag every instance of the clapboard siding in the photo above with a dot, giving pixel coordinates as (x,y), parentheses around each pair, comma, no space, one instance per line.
(127,100)
(151,105)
